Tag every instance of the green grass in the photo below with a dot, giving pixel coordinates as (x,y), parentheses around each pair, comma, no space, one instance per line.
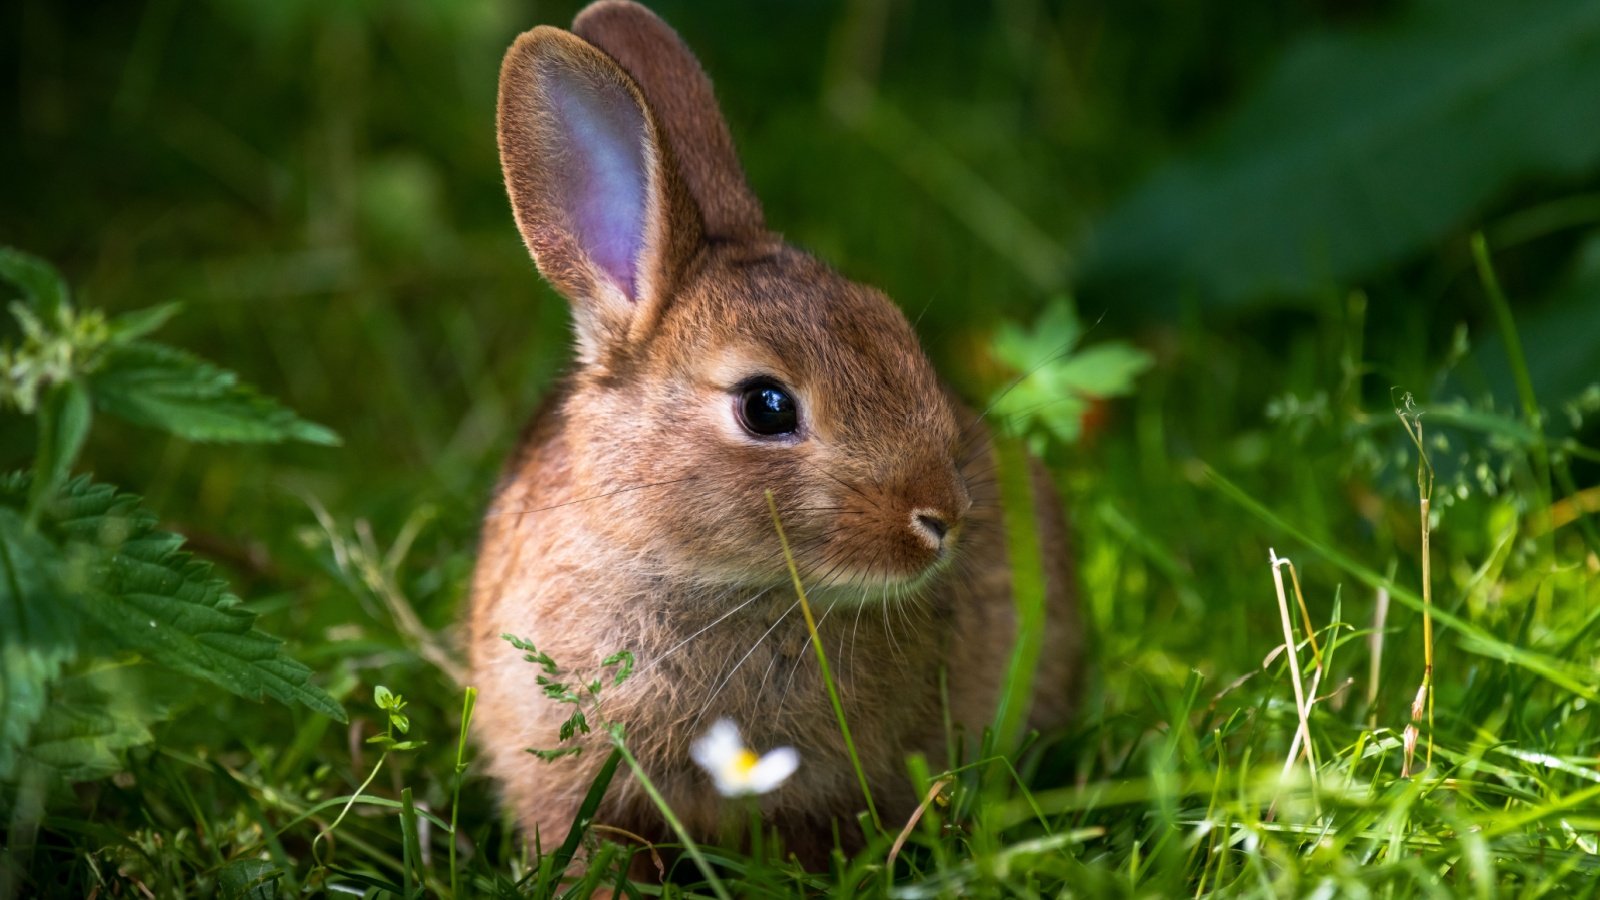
(330,215)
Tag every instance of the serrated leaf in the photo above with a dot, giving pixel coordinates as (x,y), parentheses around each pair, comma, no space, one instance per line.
(148,596)
(168,389)
(37,636)
(41,285)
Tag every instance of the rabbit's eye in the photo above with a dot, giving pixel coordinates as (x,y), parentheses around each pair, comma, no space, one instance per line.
(767,409)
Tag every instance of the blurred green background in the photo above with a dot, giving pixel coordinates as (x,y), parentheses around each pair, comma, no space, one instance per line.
(1274,198)
(318,183)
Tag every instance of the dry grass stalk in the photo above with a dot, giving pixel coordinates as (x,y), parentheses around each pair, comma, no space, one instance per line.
(1302,706)
(1411,420)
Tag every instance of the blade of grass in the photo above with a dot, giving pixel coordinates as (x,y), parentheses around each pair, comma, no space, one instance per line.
(1519,363)
(411,856)
(1027,592)
(1477,640)
(673,822)
(822,661)
(586,810)
(467,704)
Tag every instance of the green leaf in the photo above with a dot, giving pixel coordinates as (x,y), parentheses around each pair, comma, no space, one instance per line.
(171,390)
(1360,149)
(1055,382)
(148,596)
(131,326)
(37,636)
(250,879)
(94,715)
(1104,370)
(64,421)
(41,285)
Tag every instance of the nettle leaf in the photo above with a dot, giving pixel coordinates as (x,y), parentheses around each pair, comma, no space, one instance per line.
(41,285)
(149,596)
(96,714)
(1057,383)
(171,390)
(37,636)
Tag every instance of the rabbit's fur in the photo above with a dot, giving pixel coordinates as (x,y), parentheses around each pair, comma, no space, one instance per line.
(634,517)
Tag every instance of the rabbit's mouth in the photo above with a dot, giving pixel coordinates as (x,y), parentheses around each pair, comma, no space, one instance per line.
(867,588)
(854,569)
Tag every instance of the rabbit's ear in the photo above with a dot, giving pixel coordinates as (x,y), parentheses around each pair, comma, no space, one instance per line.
(680,94)
(595,192)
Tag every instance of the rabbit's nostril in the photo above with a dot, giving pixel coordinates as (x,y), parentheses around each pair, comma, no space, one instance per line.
(935,526)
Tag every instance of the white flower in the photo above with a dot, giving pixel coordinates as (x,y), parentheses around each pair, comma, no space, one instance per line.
(735,769)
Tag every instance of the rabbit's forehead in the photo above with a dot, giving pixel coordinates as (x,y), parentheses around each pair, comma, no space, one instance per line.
(847,349)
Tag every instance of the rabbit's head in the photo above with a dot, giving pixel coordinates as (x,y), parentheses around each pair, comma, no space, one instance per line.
(715,362)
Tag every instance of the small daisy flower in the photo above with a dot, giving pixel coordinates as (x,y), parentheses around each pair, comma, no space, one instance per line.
(735,769)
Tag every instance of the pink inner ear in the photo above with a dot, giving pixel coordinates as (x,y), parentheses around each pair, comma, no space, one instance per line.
(601,170)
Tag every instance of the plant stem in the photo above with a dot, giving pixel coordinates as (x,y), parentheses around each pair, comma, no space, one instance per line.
(352,802)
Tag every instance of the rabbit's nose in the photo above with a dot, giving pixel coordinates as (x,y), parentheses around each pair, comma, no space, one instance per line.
(931,527)
(934,525)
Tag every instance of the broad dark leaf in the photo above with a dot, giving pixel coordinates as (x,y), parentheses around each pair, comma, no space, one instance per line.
(1360,150)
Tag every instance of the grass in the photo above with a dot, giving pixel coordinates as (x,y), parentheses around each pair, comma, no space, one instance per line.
(1239,748)
(339,236)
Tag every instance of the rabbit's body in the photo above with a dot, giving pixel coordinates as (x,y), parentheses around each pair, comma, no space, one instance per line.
(716,364)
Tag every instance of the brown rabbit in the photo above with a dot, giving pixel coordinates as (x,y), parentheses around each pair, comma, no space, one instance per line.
(716,363)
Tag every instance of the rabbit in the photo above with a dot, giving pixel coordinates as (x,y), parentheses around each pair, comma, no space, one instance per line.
(715,363)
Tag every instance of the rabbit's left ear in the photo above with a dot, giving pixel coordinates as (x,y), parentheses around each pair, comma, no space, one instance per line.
(685,106)
(593,186)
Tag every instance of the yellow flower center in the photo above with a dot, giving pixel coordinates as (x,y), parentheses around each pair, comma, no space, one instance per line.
(745,761)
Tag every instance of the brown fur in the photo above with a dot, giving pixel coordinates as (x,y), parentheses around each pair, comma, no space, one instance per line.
(634,518)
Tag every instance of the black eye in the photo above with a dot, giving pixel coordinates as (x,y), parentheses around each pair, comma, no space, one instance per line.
(767,409)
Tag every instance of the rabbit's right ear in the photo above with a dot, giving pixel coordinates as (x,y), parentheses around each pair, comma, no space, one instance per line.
(593,187)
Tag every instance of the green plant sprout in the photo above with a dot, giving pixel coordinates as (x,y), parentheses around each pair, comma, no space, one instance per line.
(583,695)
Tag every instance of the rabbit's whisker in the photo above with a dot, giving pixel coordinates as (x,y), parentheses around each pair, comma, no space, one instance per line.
(706,707)
(714,623)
